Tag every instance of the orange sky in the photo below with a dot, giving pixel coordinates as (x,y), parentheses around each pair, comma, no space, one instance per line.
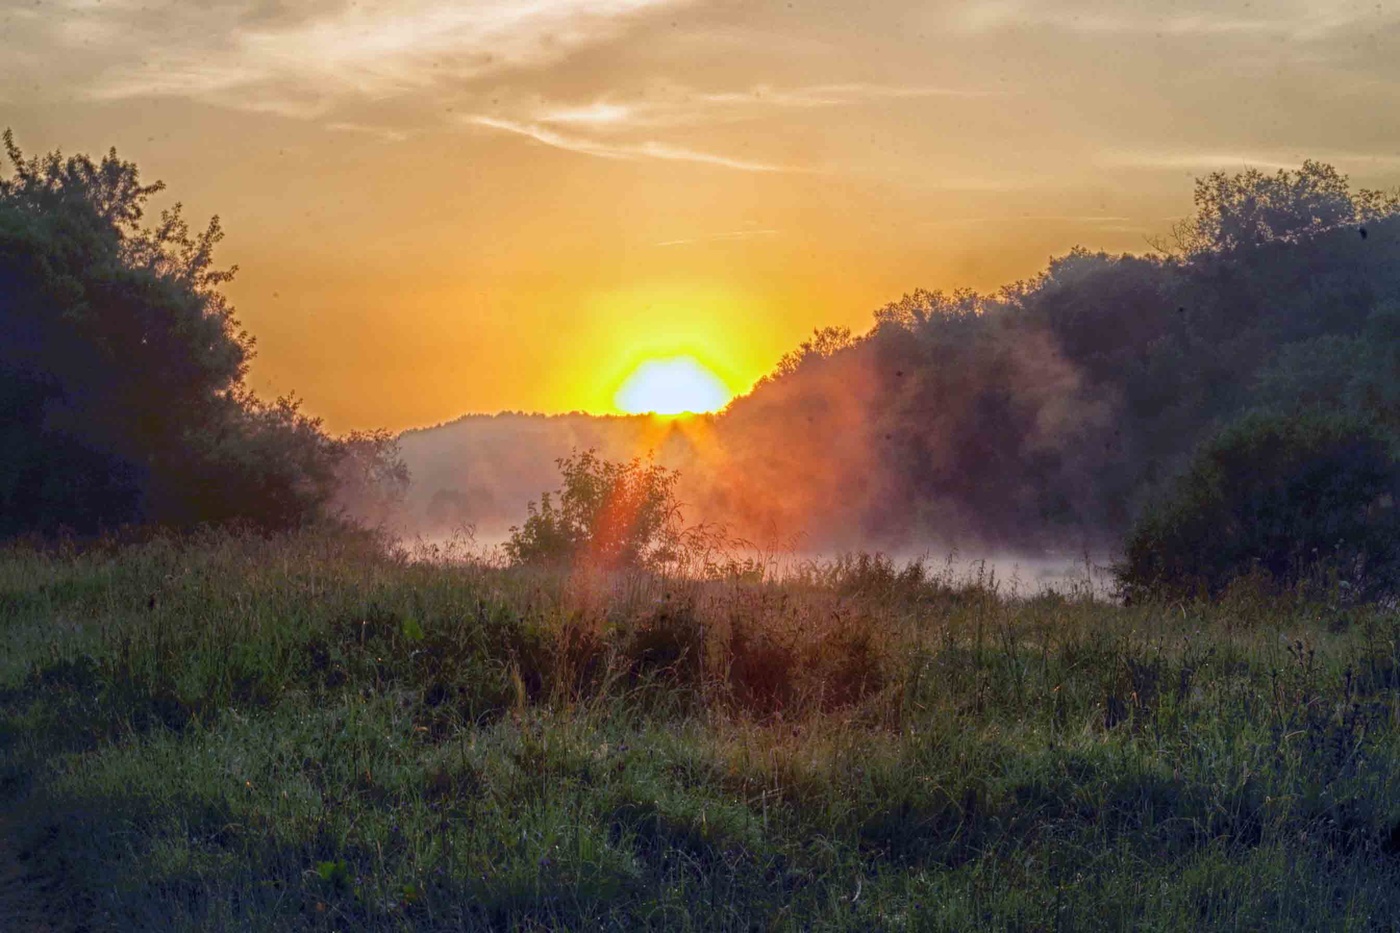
(442,206)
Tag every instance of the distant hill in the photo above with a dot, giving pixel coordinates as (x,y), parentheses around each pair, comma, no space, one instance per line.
(484,469)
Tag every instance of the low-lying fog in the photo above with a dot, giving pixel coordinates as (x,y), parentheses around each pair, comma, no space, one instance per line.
(473,479)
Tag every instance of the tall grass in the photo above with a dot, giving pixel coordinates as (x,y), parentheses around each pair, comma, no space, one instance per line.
(311,732)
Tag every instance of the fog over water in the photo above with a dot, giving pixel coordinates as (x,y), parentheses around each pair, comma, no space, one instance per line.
(474,478)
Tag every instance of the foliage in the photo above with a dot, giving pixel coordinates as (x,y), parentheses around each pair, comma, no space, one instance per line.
(123,367)
(1250,208)
(1289,497)
(1359,375)
(1050,413)
(607,515)
(824,343)
(371,477)
(303,733)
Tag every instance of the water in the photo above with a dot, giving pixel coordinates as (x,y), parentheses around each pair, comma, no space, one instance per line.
(1012,574)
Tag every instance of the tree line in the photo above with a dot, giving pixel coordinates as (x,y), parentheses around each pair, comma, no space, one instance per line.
(1234,395)
(1227,404)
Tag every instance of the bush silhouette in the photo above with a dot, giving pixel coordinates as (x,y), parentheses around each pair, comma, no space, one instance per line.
(607,515)
(1287,497)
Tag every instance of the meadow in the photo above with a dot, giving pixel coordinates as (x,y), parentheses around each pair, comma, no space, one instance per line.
(313,731)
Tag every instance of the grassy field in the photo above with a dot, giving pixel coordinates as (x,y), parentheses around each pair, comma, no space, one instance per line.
(309,733)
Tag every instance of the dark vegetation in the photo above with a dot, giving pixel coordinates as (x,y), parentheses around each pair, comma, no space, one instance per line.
(1296,500)
(607,516)
(203,728)
(305,733)
(122,373)
(1053,413)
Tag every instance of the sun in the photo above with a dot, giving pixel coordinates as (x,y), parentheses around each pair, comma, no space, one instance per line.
(672,386)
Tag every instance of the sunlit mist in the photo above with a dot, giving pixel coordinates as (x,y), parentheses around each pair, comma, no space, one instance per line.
(671,387)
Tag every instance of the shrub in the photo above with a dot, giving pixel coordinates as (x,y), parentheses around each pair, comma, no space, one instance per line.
(1291,498)
(608,515)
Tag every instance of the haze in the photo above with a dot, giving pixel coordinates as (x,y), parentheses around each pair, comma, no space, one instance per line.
(442,208)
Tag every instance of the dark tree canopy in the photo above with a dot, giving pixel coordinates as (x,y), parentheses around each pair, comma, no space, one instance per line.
(1049,414)
(1289,497)
(122,369)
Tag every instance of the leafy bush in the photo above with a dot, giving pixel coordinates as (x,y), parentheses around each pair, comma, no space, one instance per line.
(607,515)
(1287,497)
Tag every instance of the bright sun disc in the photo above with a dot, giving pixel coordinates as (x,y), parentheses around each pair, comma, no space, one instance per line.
(671,387)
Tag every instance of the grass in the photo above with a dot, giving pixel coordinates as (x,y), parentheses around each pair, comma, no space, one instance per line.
(230,733)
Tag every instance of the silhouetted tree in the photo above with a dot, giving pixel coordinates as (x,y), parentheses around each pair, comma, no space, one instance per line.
(1250,208)
(1049,413)
(122,368)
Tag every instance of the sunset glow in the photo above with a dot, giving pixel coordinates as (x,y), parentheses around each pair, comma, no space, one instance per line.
(442,207)
(672,387)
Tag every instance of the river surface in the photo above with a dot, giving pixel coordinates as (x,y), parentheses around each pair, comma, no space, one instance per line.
(1012,574)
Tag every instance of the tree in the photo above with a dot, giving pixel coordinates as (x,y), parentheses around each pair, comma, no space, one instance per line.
(824,343)
(1250,208)
(1290,497)
(372,478)
(122,367)
(607,515)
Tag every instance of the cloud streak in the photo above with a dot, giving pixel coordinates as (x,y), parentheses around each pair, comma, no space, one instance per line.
(678,106)
(608,127)
(1293,20)
(235,56)
(1204,161)
(649,149)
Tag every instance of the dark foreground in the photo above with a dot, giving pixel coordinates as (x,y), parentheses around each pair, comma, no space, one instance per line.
(236,733)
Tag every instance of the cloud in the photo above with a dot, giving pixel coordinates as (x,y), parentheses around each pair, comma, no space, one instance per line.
(260,56)
(1292,20)
(831,95)
(385,133)
(600,113)
(1184,160)
(680,106)
(610,127)
(649,149)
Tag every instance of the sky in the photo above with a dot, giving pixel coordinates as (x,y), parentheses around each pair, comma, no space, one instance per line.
(450,206)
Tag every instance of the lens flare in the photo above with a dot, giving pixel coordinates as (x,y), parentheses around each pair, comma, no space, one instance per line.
(671,387)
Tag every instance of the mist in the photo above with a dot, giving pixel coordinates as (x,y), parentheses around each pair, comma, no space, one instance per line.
(1032,423)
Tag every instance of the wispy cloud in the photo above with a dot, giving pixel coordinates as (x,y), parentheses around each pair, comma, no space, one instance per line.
(648,149)
(831,95)
(233,54)
(610,127)
(680,106)
(385,133)
(1182,160)
(1293,20)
